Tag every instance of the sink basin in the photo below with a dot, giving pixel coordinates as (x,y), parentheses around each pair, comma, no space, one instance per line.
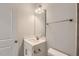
(33,40)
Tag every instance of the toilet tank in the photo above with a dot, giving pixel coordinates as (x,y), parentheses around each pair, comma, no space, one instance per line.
(54,52)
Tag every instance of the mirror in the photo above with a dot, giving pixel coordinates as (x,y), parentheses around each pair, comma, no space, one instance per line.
(40,23)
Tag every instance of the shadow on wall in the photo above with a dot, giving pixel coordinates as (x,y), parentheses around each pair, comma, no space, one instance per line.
(21,49)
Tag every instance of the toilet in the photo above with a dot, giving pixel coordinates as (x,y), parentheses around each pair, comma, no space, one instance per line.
(54,52)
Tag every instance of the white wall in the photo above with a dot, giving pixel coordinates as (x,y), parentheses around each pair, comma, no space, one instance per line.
(62,36)
(23,13)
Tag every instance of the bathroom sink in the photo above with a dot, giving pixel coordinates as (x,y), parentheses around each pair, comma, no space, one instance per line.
(33,40)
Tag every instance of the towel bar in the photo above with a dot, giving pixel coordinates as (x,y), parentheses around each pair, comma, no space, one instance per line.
(60,21)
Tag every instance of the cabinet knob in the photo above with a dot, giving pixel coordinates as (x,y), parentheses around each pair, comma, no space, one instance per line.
(16,41)
(39,49)
(35,51)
